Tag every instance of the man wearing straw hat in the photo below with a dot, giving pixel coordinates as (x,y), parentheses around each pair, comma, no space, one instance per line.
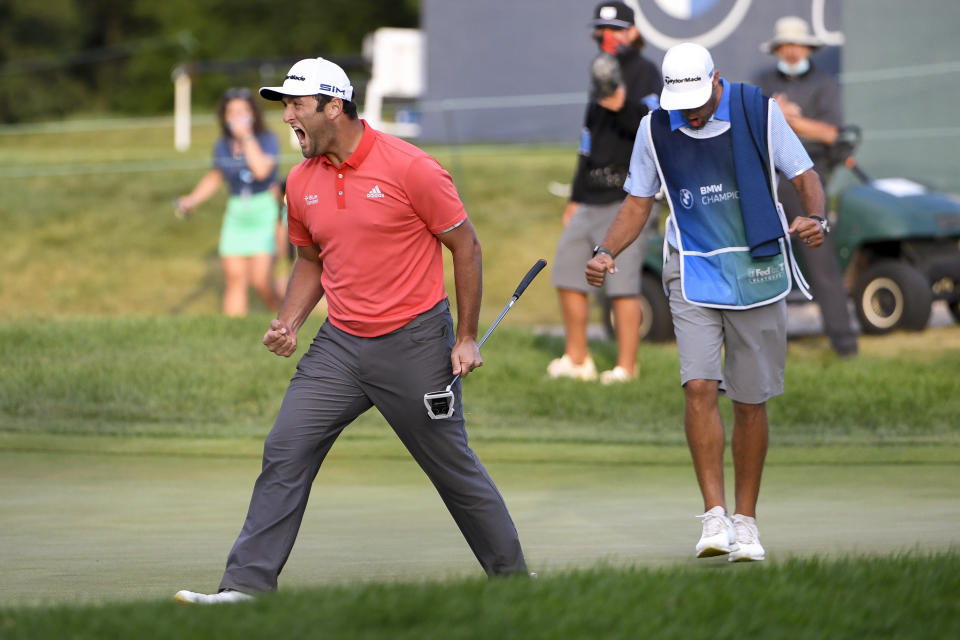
(810,101)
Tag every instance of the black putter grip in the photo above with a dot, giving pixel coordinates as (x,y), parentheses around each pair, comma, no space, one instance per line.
(527,279)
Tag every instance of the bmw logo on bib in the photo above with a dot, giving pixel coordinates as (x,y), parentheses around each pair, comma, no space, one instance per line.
(686,198)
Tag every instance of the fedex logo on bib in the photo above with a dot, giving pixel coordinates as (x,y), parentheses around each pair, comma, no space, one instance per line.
(770,273)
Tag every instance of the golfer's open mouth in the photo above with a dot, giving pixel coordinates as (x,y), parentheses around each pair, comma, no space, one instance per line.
(301,136)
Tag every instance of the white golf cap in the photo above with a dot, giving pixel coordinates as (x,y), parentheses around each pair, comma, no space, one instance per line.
(310,77)
(687,77)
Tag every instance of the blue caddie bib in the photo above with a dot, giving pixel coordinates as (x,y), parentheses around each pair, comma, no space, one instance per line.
(701,183)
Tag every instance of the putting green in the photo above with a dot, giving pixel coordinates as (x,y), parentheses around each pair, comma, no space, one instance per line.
(96,527)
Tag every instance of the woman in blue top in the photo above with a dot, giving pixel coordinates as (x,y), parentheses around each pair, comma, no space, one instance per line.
(245,156)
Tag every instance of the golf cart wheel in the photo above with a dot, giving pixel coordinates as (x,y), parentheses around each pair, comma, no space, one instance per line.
(955,310)
(656,324)
(892,295)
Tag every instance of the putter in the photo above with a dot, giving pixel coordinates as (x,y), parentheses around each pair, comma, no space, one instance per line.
(439,404)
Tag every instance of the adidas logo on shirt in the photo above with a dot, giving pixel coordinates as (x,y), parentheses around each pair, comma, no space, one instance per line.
(375,192)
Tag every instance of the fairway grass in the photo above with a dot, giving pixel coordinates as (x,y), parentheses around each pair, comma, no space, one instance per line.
(94,527)
(130,445)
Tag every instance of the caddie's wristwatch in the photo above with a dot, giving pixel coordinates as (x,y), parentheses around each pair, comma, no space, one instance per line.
(597,250)
(824,225)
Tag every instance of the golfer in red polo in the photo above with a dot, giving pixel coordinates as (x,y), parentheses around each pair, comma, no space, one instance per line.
(368,213)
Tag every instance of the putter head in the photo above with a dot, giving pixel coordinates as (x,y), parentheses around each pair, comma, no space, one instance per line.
(439,404)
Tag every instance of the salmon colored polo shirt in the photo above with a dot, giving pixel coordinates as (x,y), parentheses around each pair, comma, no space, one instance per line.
(375,221)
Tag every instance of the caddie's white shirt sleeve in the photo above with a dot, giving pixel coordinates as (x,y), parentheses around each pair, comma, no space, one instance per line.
(643,180)
(789,156)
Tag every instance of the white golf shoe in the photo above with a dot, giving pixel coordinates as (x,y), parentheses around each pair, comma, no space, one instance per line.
(615,376)
(748,548)
(227,596)
(719,536)
(564,367)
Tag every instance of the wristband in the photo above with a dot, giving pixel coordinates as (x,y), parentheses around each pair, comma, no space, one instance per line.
(597,250)
(824,225)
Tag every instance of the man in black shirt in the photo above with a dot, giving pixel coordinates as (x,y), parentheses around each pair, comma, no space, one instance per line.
(625,86)
(810,101)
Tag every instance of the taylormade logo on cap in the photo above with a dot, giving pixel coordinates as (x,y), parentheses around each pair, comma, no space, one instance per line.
(680,80)
(687,77)
(311,77)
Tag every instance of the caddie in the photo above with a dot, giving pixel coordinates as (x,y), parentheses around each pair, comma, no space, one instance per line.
(718,147)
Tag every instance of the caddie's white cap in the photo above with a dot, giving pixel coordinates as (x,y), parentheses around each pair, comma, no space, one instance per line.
(310,77)
(687,77)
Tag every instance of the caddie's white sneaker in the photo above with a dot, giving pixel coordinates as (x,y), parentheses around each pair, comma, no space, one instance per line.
(226,596)
(565,368)
(615,376)
(748,548)
(718,536)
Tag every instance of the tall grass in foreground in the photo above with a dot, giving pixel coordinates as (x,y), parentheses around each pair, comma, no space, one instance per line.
(907,596)
(210,376)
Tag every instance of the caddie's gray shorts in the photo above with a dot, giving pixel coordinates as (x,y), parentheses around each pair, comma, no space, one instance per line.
(586,229)
(754,342)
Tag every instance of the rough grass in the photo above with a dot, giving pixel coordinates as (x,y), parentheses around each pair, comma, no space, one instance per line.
(208,376)
(905,596)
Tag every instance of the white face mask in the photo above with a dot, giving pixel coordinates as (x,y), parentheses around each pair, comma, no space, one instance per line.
(797,69)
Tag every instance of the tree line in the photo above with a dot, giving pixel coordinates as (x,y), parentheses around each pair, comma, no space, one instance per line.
(63,57)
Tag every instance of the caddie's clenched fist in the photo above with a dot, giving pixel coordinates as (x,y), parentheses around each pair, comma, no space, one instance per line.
(808,230)
(598,267)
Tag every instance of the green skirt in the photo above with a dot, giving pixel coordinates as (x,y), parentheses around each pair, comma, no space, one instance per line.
(249,225)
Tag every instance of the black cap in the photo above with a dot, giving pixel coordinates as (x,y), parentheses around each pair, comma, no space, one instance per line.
(613,15)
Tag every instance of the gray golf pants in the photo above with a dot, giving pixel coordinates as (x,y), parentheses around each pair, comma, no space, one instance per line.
(340,377)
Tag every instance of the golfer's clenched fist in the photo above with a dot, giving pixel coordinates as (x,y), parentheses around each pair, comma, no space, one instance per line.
(598,268)
(280,339)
